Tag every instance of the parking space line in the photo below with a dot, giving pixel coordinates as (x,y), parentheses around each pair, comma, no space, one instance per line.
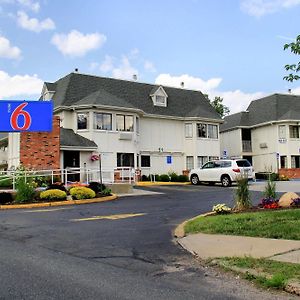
(110,217)
(46,210)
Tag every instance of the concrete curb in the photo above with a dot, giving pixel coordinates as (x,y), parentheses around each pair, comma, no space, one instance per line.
(179,230)
(59,203)
(149,183)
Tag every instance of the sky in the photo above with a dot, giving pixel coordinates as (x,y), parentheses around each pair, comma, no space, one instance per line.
(232,49)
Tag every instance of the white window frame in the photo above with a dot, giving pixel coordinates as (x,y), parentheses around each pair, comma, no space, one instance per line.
(188,130)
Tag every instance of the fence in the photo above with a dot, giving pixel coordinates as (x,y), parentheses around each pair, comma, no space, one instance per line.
(71,175)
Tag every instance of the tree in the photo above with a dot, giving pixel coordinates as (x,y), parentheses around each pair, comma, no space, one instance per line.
(294,68)
(218,105)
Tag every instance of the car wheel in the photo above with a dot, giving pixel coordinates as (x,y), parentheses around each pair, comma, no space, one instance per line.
(225,181)
(194,179)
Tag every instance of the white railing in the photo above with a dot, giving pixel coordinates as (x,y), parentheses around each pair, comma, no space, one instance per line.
(70,175)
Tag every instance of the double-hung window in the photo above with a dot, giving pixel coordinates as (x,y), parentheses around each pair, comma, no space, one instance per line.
(294,132)
(201,130)
(103,121)
(124,123)
(188,127)
(82,120)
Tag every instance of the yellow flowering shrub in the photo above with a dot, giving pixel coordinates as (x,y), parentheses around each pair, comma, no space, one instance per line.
(54,194)
(82,193)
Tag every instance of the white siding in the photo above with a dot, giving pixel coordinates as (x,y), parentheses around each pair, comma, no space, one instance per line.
(231,141)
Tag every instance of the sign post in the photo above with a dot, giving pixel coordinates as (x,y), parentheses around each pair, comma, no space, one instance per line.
(100,172)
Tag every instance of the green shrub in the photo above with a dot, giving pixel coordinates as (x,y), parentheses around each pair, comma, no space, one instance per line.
(145,178)
(273,177)
(164,178)
(25,191)
(97,187)
(5,182)
(173,177)
(82,192)
(106,192)
(183,178)
(270,189)
(51,195)
(155,177)
(242,194)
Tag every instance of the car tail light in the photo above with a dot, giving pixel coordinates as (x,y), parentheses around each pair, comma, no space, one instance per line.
(236,170)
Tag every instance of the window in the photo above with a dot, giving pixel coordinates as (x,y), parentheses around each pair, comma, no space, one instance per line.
(201,130)
(201,160)
(212,131)
(145,161)
(294,132)
(82,121)
(281,132)
(209,165)
(243,163)
(125,160)
(124,123)
(189,162)
(103,121)
(283,162)
(225,164)
(296,161)
(188,130)
(160,100)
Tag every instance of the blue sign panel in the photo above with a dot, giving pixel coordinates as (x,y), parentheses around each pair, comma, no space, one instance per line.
(16,116)
(169,159)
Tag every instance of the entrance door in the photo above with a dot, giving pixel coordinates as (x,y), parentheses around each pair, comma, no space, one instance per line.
(71,160)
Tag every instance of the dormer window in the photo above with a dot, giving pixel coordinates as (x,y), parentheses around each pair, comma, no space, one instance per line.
(159,96)
(160,100)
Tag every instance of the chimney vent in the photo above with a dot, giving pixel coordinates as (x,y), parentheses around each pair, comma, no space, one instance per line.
(134,77)
(182,84)
(76,70)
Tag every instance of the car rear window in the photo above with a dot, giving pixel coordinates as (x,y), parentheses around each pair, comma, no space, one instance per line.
(243,163)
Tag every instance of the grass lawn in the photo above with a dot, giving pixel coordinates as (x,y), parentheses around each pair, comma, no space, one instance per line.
(276,224)
(280,272)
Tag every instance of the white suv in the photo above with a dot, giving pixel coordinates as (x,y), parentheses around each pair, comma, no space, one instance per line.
(224,171)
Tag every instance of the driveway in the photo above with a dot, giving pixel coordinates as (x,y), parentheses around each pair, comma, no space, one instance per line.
(115,250)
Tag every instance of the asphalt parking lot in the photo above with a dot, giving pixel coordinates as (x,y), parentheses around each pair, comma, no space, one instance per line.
(122,249)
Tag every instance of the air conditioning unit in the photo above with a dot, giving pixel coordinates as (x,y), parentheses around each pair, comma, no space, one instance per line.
(125,136)
(263,145)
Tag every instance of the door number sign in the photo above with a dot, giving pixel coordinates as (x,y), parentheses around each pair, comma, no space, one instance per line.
(16,116)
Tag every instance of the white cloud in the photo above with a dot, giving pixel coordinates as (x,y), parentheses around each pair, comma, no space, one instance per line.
(149,66)
(7,50)
(77,44)
(34,24)
(19,85)
(236,100)
(32,5)
(259,8)
(190,82)
(107,65)
(125,70)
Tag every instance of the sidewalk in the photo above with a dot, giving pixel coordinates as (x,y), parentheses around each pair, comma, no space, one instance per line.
(281,186)
(216,245)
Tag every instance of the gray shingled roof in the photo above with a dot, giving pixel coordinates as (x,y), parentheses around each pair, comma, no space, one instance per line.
(276,107)
(78,89)
(69,138)
(3,135)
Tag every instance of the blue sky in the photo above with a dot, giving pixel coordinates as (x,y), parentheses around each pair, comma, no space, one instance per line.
(232,49)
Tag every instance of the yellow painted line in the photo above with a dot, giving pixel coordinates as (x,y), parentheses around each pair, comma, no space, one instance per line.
(59,203)
(44,210)
(110,217)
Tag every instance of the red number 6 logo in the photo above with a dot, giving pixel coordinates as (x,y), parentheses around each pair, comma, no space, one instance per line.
(15,116)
